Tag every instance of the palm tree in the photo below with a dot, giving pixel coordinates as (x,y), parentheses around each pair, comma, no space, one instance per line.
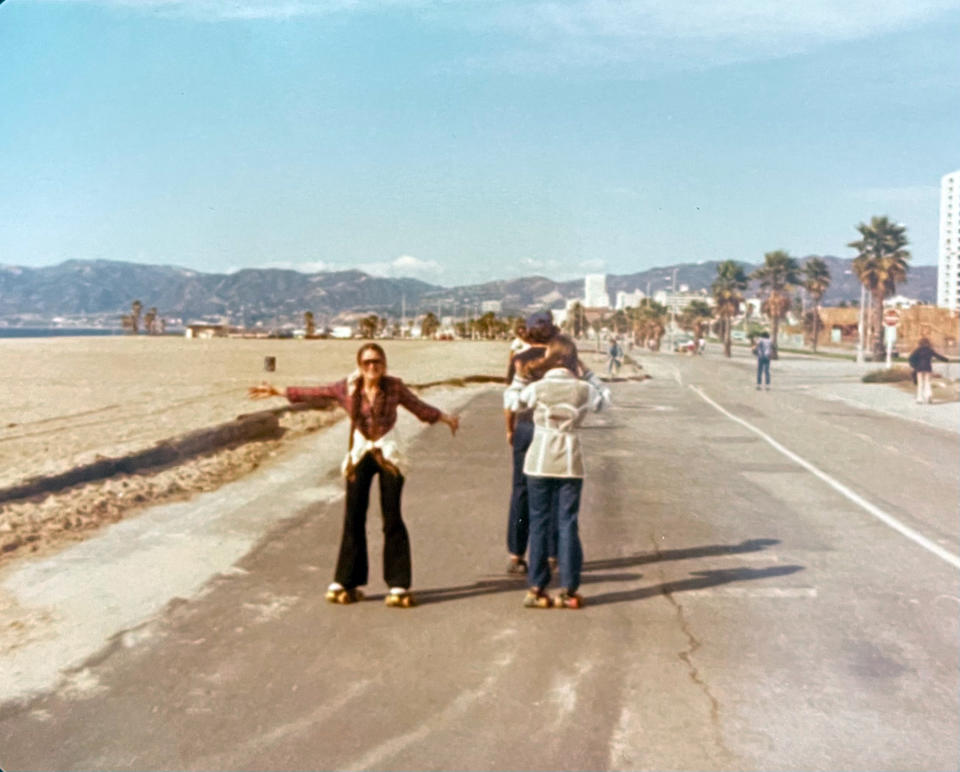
(135,307)
(881,262)
(816,279)
(369,325)
(309,325)
(578,319)
(695,317)
(727,290)
(150,321)
(429,325)
(649,321)
(777,276)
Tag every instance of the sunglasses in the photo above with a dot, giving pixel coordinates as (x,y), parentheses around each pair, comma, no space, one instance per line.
(367,362)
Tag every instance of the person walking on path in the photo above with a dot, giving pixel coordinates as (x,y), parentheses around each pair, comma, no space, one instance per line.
(540,330)
(615,357)
(560,400)
(921,360)
(371,398)
(764,352)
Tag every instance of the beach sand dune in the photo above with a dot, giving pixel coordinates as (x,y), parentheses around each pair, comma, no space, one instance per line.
(71,401)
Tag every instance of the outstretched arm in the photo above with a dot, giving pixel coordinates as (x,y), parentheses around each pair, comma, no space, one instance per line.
(425,412)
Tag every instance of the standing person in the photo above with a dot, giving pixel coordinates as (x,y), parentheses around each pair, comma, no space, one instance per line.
(921,360)
(370,397)
(560,400)
(539,330)
(615,354)
(519,342)
(763,351)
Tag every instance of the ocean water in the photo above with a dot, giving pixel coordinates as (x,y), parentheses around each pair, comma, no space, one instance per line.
(52,332)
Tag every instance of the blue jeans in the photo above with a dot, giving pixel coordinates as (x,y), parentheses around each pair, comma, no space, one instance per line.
(763,368)
(555,504)
(518,520)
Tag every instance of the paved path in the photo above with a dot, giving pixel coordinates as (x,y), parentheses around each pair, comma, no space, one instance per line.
(743,613)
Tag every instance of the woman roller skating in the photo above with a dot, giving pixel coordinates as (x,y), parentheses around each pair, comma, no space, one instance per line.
(371,398)
(554,469)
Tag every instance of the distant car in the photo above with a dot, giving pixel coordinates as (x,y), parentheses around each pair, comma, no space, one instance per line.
(684,344)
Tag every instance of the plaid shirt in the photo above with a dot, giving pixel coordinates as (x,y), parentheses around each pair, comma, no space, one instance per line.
(374,420)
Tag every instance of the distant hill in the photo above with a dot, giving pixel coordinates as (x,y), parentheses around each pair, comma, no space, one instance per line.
(269,296)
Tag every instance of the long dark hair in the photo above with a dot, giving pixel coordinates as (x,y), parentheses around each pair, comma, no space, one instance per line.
(561,352)
(358,391)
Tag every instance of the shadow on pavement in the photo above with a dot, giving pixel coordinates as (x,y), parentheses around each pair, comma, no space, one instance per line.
(490,586)
(657,556)
(700,580)
(703,578)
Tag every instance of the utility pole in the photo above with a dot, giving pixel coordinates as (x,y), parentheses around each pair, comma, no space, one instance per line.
(860,329)
(403,314)
(673,309)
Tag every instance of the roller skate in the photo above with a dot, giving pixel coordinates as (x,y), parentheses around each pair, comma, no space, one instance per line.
(536,599)
(399,597)
(517,566)
(568,600)
(337,593)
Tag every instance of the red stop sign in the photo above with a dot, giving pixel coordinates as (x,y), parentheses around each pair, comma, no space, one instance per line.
(891,317)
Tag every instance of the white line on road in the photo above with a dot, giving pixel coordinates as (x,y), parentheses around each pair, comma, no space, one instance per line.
(856,498)
(753,592)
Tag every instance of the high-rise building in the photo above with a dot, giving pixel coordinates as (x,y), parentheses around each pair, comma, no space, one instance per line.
(948,271)
(595,291)
(629,299)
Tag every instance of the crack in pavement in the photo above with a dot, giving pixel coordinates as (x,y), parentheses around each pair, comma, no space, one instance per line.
(686,656)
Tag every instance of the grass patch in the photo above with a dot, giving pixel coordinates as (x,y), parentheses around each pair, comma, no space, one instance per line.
(893,375)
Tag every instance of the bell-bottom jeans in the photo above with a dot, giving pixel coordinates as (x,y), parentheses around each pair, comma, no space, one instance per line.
(518,519)
(352,567)
(555,504)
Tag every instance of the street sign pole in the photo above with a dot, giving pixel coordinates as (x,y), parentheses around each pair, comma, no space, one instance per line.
(891,318)
(890,337)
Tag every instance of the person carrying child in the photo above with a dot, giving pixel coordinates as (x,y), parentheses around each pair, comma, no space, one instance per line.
(554,468)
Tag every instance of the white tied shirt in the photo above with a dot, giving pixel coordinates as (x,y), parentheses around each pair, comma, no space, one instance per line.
(560,402)
(388,445)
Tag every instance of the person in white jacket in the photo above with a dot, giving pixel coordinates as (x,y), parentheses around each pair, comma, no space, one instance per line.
(555,470)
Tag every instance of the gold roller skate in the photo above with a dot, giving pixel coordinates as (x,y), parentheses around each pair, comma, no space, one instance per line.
(399,597)
(568,600)
(537,599)
(337,593)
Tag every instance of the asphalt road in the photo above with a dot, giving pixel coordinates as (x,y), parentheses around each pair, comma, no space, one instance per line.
(743,612)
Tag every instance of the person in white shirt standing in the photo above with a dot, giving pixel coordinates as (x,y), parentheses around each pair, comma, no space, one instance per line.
(554,469)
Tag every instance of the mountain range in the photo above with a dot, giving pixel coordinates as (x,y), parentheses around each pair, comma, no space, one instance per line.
(104,288)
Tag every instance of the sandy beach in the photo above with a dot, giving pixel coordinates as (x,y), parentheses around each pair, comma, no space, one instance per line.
(70,401)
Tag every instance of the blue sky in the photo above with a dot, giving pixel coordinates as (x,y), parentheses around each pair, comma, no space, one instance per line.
(461,141)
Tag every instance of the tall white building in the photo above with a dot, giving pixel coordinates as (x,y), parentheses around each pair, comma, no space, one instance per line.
(629,299)
(595,291)
(948,271)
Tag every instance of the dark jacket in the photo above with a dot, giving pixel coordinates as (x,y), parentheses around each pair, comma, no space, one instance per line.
(921,359)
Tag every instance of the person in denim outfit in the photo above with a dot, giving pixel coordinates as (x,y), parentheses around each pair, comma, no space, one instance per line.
(554,469)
